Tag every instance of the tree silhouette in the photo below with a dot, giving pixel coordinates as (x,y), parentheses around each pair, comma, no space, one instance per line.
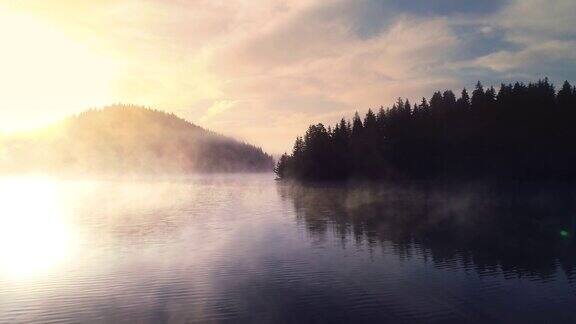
(518,132)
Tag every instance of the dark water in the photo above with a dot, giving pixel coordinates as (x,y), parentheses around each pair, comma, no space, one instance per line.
(243,248)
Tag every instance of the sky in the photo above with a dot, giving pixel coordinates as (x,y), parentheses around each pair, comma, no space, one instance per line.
(263,70)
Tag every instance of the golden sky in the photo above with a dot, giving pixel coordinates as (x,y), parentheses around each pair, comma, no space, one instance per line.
(262,70)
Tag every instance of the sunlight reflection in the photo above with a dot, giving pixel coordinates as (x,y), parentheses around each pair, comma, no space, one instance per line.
(34,234)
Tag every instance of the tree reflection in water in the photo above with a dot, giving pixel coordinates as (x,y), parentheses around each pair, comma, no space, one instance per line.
(512,229)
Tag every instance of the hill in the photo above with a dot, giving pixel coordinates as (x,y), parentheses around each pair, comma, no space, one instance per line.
(521,132)
(128,139)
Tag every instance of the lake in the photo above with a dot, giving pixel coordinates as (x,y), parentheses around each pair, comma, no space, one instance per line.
(246,248)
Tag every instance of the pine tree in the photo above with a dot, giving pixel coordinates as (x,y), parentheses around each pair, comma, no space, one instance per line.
(356,125)
(523,131)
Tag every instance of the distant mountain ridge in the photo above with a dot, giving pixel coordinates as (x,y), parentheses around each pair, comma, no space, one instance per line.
(128,139)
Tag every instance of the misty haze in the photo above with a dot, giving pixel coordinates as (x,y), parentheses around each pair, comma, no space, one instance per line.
(288,161)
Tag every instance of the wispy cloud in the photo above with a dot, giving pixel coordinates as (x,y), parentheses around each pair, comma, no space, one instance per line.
(219,107)
(262,70)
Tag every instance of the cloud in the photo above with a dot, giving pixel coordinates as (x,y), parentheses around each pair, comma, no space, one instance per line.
(531,19)
(216,109)
(548,52)
(317,66)
(543,38)
(263,70)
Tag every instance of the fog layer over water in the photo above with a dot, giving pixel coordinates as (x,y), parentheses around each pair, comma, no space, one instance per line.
(244,248)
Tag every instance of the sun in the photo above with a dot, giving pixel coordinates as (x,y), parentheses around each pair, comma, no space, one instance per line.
(46,75)
(35,236)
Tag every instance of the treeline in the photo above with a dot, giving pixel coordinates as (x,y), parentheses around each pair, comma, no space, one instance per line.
(518,132)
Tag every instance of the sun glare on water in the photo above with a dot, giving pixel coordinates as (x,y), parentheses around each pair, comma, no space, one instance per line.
(34,234)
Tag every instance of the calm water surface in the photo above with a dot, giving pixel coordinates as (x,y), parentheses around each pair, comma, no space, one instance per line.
(244,248)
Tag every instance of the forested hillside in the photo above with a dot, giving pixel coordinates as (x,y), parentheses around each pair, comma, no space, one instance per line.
(128,139)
